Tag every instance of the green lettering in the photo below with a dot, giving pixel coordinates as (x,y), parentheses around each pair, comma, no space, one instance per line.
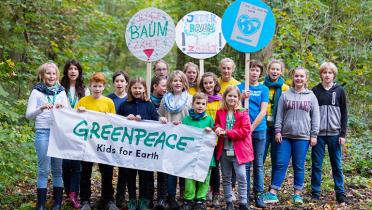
(168,138)
(115,133)
(94,130)
(105,130)
(163,31)
(125,134)
(160,140)
(144,32)
(81,131)
(181,145)
(133,33)
(148,140)
(140,134)
(153,30)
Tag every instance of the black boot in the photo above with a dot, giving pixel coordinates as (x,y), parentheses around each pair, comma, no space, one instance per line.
(57,195)
(172,203)
(41,198)
(244,206)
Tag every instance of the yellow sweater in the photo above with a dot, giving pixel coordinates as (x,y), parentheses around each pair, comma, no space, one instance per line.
(103,104)
(212,108)
(224,85)
(271,100)
(192,91)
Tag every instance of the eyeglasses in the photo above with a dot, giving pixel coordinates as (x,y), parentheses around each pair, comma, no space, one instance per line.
(161,69)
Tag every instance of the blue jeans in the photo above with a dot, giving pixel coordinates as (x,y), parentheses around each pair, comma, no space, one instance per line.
(259,142)
(270,139)
(335,156)
(71,175)
(44,163)
(296,149)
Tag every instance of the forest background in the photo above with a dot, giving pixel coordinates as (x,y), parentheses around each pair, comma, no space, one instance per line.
(92,32)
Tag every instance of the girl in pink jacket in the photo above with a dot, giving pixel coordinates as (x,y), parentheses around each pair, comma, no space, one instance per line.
(234,147)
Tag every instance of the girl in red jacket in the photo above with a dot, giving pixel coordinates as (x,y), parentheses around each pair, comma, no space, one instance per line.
(234,147)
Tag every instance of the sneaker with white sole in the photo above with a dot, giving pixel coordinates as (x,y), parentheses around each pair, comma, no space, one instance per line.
(270,198)
(297,199)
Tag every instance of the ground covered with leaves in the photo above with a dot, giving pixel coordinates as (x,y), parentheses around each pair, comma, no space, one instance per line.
(18,175)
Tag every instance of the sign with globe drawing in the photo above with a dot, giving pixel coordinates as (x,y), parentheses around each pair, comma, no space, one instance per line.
(248,25)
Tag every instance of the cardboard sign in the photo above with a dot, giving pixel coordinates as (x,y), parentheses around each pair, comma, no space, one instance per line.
(248,25)
(199,35)
(150,34)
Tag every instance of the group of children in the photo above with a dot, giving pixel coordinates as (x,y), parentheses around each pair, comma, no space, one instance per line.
(288,119)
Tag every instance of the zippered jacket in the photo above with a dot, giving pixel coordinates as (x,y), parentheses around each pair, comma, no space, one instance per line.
(240,135)
(333,110)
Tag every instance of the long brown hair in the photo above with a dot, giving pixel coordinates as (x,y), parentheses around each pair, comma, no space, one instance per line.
(143,83)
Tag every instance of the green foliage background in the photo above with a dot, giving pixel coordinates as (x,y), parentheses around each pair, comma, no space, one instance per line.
(92,31)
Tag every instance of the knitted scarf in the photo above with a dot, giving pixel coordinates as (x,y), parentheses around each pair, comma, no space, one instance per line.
(155,100)
(196,116)
(215,97)
(54,90)
(173,106)
(277,93)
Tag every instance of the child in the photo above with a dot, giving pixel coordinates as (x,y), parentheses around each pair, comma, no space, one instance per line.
(210,86)
(234,147)
(197,191)
(120,80)
(138,107)
(258,98)
(161,68)
(73,83)
(296,126)
(96,102)
(45,96)
(227,68)
(275,82)
(333,124)
(191,71)
(158,89)
(174,107)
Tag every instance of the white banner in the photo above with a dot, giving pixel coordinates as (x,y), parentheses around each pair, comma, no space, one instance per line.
(180,150)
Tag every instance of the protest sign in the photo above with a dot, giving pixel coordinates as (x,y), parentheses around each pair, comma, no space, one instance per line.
(199,35)
(150,34)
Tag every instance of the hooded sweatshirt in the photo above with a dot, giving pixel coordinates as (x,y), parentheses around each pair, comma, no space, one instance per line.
(298,115)
(333,110)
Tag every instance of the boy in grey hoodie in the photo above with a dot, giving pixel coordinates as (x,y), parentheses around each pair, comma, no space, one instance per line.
(296,127)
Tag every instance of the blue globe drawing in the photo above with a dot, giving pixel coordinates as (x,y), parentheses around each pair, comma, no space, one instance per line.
(248,26)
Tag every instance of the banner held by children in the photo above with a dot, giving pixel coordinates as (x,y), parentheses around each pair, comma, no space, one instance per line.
(147,145)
